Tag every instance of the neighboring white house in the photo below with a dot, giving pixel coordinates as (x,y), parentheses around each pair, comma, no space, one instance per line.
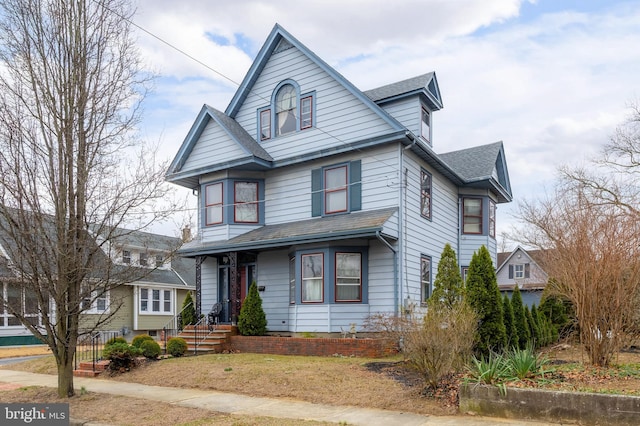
(522,268)
(332,199)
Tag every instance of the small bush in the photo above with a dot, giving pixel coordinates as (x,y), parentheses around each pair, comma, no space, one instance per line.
(392,329)
(115,340)
(122,356)
(524,363)
(443,342)
(137,341)
(176,346)
(150,349)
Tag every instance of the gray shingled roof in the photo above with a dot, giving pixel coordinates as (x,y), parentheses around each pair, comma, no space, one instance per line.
(399,87)
(476,163)
(354,225)
(240,134)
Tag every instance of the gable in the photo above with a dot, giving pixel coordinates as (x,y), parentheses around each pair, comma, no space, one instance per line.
(425,85)
(482,166)
(215,142)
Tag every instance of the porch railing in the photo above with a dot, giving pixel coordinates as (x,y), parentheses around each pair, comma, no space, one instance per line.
(90,347)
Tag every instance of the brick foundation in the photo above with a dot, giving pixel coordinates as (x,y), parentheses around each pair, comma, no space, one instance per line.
(366,348)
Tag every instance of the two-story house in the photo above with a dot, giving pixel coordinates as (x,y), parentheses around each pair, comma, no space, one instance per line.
(155,284)
(332,199)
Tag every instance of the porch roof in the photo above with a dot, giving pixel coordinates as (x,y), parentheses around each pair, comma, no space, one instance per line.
(362,224)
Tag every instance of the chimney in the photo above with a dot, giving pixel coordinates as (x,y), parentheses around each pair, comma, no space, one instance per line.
(186,234)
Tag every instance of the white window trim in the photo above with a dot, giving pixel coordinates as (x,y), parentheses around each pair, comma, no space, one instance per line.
(150,311)
(94,303)
(518,274)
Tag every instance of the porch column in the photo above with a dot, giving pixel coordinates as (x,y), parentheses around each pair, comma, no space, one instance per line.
(234,281)
(199,260)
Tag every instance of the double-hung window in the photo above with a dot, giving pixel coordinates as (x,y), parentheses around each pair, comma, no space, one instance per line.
(425,194)
(425,278)
(126,256)
(155,301)
(335,192)
(348,277)
(472,215)
(518,271)
(492,219)
(425,124)
(246,202)
(144,259)
(306,112)
(213,203)
(265,124)
(313,278)
(94,300)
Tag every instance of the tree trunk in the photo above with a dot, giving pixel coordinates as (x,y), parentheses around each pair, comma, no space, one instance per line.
(65,373)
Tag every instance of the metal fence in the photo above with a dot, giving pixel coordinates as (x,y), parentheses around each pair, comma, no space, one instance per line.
(91,345)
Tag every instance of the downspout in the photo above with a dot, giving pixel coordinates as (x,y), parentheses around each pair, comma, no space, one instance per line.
(395,269)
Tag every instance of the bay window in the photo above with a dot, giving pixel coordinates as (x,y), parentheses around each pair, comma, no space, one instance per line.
(246,202)
(348,277)
(213,203)
(312,278)
(155,301)
(472,215)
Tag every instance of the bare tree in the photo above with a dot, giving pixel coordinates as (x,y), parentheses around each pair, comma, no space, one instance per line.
(72,170)
(593,259)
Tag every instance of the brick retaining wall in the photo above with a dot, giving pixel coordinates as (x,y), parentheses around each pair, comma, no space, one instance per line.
(366,348)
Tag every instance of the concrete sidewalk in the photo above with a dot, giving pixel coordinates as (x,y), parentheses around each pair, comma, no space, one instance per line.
(252,406)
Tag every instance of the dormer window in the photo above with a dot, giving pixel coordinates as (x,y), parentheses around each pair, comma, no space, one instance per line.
(425,125)
(126,256)
(286,110)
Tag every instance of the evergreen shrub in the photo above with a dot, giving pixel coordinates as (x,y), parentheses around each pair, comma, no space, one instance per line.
(137,341)
(176,346)
(252,320)
(150,349)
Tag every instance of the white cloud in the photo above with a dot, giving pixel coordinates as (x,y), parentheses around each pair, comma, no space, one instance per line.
(552,86)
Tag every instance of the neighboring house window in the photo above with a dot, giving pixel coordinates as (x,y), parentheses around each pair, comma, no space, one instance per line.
(144,259)
(94,300)
(126,256)
(155,301)
(472,215)
(306,112)
(519,271)
(492,219)
(25,302)
(425,125)
(292,280)
(159,261)
(425,194)
(213,203)
(246,202)
(335,190)
(265,124)
(425,278)
(348,277)
(286,110)
(313,278)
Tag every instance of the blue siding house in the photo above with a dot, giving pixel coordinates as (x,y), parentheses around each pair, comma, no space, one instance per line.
(332,199)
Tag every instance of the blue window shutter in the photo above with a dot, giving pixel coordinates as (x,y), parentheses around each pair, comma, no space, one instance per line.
(510,272)
(355,177)
(316,192)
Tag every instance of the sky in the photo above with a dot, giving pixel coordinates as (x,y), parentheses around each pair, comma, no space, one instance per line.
(551,79)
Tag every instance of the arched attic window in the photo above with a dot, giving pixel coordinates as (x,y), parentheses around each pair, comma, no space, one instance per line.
(286,110)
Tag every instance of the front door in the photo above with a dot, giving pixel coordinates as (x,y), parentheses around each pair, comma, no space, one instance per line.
(224,294)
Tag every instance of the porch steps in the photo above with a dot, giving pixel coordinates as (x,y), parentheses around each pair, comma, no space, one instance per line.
(85,368)
(210,341)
